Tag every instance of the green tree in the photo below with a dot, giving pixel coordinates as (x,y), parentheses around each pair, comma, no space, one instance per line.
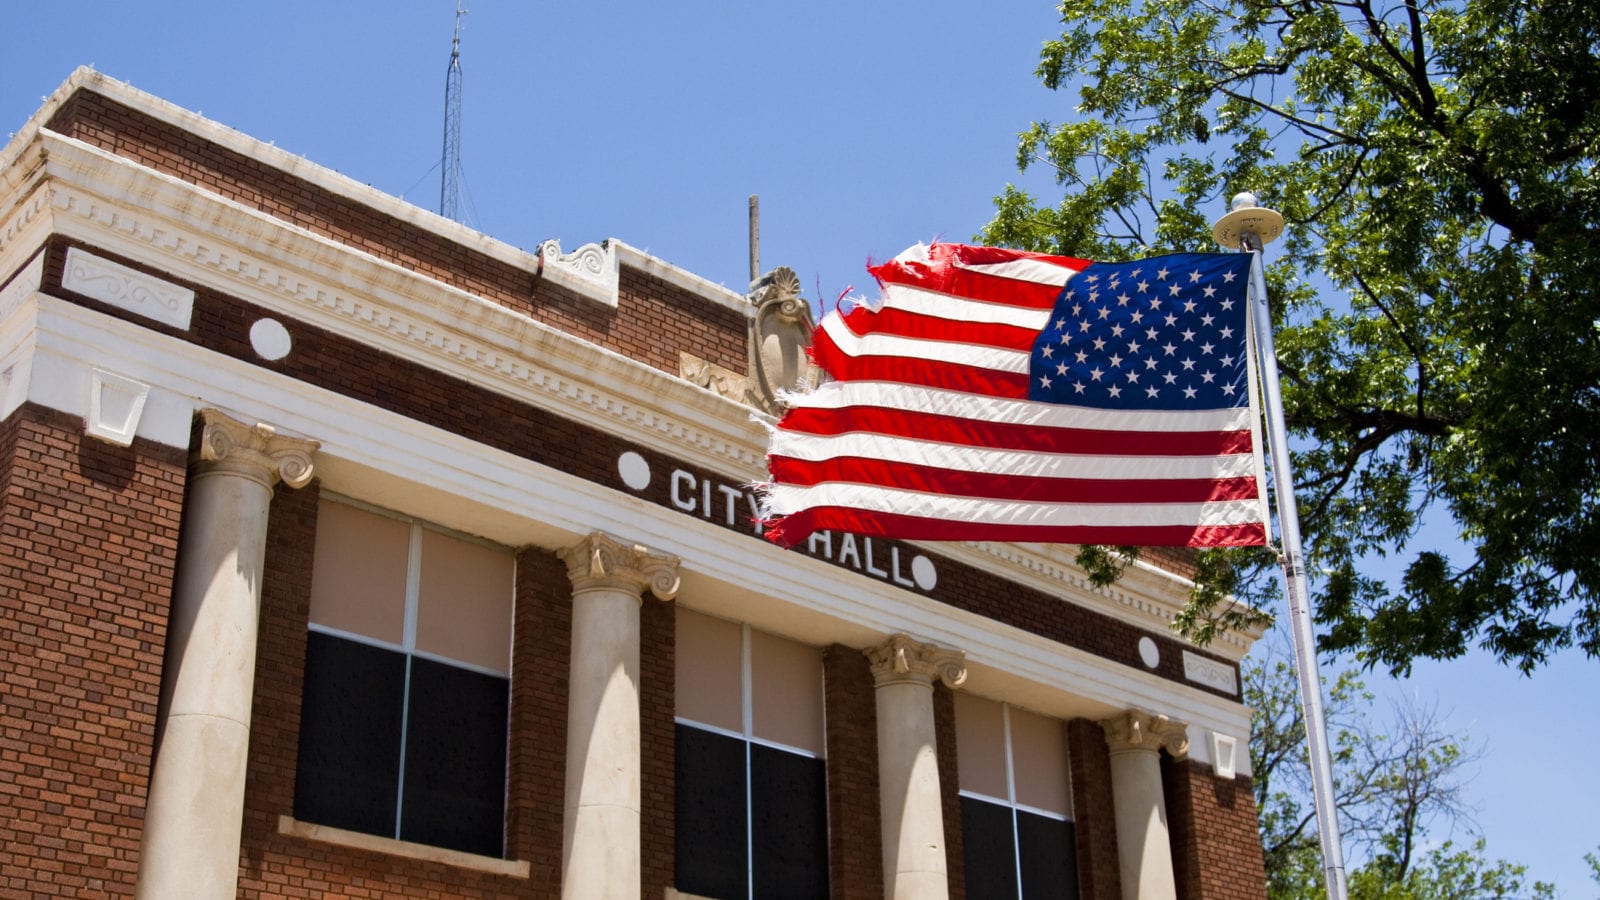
(1438,289)
(1396,783)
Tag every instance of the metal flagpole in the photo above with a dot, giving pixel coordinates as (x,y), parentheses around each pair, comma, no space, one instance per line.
(1249,227)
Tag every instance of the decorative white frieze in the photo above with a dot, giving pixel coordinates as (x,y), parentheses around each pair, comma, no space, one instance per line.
(1209,672)
(115,407)
(592,269)
(127,289)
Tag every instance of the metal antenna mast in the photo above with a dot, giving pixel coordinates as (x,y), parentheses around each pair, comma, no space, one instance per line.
(450,165)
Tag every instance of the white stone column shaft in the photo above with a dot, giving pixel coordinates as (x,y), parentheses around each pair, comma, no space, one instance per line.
(600,851)
(195,810)
(1144,848)
(914,866)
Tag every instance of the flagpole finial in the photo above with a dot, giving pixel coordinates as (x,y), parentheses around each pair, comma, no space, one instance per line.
(1248,226)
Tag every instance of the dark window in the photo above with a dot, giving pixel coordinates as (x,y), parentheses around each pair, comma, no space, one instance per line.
(404,709)
(751,784)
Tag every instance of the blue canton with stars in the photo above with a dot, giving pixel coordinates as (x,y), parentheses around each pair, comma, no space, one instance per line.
(1162,333)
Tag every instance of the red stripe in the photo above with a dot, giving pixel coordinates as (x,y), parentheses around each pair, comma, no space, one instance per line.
(925,372)
(1010,436)
(943,276)
(1042,489)
(793,529)
(903,323)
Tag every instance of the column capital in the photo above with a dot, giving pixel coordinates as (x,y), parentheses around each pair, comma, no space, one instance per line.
(257,452)
(900,660)
(1138,729)
(600,561)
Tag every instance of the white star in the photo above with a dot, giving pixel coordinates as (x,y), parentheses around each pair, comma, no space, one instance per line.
(1188,306)
(1155,303)
(1077,387)
(1083,326)
(1077,309)
(1137,317)
(1061,324)
(1228,277)
(1188,393)
(1044,381)
(1116,361)
(1151,333)
(1211,291)
(1207,319)
(1151,392)
(1099,343)
(1228,389)
(1227,360)
(1188,365)
(1169,378)
(1150,364)
(1082,357)
(1194,276)
(1227,304)
(1115,391)
(1171,320)
(1226,333)
(1116,331)
(1094,374)
(1161,274)
(1167,349)
(1207,377)
(1065,338)
(1046,351)
(1061,368)
(1105,312)
(1187,334)
(1122,299)
(1207,347)
(1133,347)
(1173,290)
(1133,377)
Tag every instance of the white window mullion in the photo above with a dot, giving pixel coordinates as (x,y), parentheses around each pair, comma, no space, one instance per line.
(1011,796)
(748,717)
(408,643)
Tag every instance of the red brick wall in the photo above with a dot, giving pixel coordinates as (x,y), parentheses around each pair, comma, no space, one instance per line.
(944,727)
(88,543)
(1094,817)
(1216,847)
(855,829)
(658,743)
(653,322)
(539,665)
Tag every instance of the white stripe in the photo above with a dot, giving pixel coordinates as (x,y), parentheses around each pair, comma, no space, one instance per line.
(956,308)
(1037,271)
(787,499)
(840,394)
(964,458)
(916,348)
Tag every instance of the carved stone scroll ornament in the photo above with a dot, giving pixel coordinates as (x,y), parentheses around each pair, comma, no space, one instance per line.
(603,562)
(780,333)
(901,659)
(256,452)
(1138,729)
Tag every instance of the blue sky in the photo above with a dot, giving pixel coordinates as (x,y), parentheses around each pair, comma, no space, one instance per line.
(864,127)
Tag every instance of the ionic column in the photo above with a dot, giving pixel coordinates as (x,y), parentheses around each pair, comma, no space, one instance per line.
(908,766)
(1144,852)
(600,851)
(195,810)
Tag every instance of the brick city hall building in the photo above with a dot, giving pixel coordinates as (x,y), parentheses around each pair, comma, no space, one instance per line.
(350,552)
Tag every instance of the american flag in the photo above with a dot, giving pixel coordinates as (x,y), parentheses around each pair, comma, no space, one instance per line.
(995,394)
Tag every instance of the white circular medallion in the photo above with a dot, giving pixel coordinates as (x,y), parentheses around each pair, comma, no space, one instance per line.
(923,572)
(270,339)
(1149,652)
(634,470)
